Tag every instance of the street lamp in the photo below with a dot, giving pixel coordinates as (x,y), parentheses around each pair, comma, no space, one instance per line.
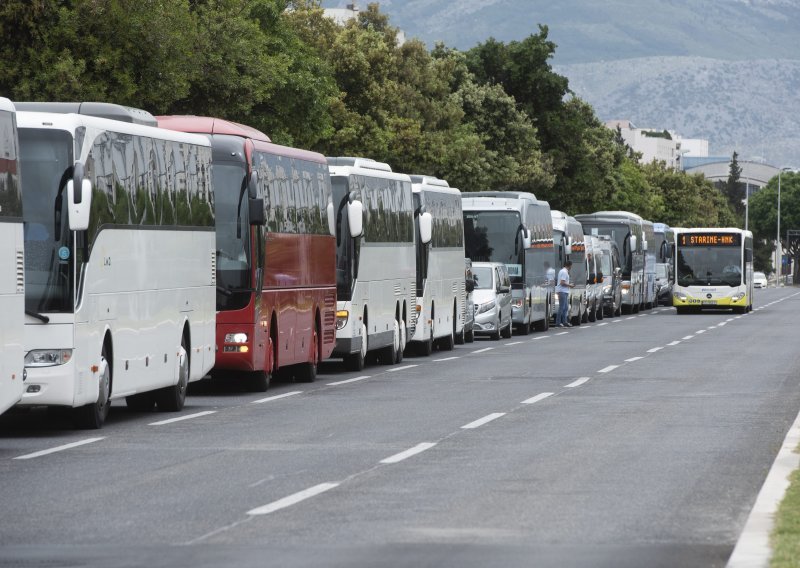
(778,264)
(746,203)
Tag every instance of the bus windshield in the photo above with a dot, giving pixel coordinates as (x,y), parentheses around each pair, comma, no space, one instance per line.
(233,253)
(494,236)
(618,234)
(345,245)
(709,266)
(45,156)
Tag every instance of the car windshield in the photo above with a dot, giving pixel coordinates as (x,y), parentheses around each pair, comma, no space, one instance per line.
(483,277)
(760,275)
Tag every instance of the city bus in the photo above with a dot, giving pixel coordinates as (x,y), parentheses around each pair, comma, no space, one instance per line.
(376,292)
(713,270)
(625,229)
(440,266)
(516,229)
(12,274)
(119,261)
(275,254)
(665,247)
(650,253)
(570,244)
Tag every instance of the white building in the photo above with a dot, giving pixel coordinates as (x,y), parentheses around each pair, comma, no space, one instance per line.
(350,12)
(654,144)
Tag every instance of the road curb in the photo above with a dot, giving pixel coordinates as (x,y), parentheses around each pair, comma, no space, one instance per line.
(752,549)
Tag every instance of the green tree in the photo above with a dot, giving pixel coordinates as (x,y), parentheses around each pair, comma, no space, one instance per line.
(764,209)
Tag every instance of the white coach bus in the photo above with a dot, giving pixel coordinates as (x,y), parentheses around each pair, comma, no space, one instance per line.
(12,280)
(570,244)
(516,229)
(649,298)
(373,211)
(440,265)
(119,260)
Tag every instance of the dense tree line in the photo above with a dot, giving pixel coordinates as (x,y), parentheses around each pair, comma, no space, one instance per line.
(494,117)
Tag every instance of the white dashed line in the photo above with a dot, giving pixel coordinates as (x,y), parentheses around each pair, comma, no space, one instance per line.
(537,398)
(514,343)
(59,448)
(403,368)
(481,421)
(540,337)
(181,418)
(602,324)
(562,333)
(276,397)
(445,359)
(654,349)
(577,383)
(292,499)
(632,359)
(631,318)
(485,349)
(699,331)
(348,381)
(608,369)
(687,337)
(418,449)
(670,344)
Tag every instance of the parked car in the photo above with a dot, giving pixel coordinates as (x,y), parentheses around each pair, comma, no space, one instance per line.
(759,280)
(663,284)
(492,299)
(469,311)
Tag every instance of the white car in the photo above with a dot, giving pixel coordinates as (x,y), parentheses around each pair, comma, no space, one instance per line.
(759,280)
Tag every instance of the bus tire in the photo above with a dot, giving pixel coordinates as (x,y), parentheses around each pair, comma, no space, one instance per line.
(469,336)
(388,354)
(543,325)
(448,342)
(307,372)
(172,398)
(142,402)
(398,358)
(355,361)
(92,416)
(258,381)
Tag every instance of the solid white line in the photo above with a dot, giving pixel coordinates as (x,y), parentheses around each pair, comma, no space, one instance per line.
(562,333)
(632,359)
(181,418)
(654,349)
(58,448)
(673,343)
(537,398)
(687,337)
(483,350)
(292,499)
(514,343)
(608,369)
(752,548)
(445,359)
(577,383)
(276,397)
(481,421)
(403,368)
(348,381)
(418,449)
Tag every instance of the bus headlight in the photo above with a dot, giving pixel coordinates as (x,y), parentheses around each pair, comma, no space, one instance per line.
(483,308)
(738,296)
(680,296)
(626,287)
(236,337)
(341,318)
(607,289)
(48,357)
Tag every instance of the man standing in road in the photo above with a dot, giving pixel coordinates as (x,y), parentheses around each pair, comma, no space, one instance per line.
(562,289)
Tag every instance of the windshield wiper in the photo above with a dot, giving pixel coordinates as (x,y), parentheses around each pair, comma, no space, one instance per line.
(42,318)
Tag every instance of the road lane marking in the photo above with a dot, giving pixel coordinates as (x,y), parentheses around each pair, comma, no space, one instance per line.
(292,499)
(562,333)
(673,343)
(642,315)
(537,398)
(59,448)
(654,349)
(699,331)
(276,397)
(540,337)
(687,337)
(631,318)
(608,369)
(181,418)
(348,381)
(418,449)
(616,321)
(632,359)
(514,343)
(485,349)
(403,368)
(445,359)
(577,383)
(602,324)
(481,421)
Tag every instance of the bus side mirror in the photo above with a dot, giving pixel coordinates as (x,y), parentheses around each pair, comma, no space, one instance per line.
(355,218)
(644,244)
(526,239)
(425,227)
(331,219)
(568,248)
(79,204)
(252,185)
(633,243)
(255,210)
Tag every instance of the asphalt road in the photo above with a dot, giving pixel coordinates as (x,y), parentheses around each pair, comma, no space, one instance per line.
(636,441)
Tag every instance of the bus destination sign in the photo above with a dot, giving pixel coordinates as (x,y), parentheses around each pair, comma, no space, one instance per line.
(709,239)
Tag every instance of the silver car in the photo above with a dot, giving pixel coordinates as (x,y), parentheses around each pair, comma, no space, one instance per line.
(492,299)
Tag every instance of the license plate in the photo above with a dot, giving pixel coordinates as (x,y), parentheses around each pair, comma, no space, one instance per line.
(709,302)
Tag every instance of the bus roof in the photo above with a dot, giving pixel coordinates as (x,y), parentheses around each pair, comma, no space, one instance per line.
(429,183)
(210,125)
(359,163)
(6,104)
(70,122)
(110,111)
(609,216)
(346,166)
(506,194)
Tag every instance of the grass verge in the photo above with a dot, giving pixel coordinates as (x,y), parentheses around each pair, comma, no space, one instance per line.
(785,538)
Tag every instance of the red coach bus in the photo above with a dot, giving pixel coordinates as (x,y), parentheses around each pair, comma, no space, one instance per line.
(276,256)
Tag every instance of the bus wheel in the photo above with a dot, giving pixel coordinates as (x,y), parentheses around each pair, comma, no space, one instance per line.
(307,372)
(398,358)
(172,399)
(543,325)
(469,336)
(448,342)
(258,381)
(92,416)
(355,361)
(460,340)
(388,354)
(142,402)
